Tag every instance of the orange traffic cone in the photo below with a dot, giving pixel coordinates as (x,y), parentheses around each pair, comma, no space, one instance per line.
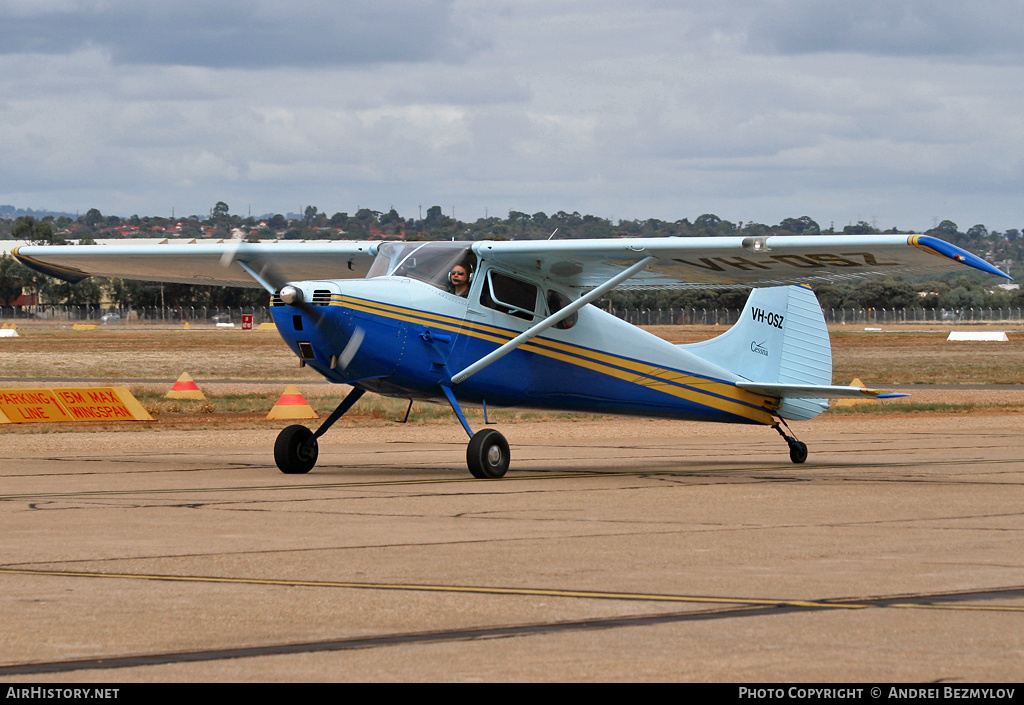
(292,405)
(852,401)
(185,388)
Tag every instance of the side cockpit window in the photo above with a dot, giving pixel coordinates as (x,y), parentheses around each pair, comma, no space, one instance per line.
(509,295)
(556,302)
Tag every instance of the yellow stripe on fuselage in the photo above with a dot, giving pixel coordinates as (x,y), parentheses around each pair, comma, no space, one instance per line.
(718,395)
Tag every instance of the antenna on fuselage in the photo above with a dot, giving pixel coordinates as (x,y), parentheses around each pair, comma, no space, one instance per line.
(552,233)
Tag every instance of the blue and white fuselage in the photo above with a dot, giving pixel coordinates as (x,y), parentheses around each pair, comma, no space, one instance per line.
(413,337)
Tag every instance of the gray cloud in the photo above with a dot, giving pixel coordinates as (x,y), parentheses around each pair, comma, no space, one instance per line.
(982,28)
(752,109)
(238,33)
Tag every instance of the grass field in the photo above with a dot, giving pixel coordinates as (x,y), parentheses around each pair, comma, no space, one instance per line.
(148,360)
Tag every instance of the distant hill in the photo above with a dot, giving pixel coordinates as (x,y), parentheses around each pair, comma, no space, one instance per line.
(12,213)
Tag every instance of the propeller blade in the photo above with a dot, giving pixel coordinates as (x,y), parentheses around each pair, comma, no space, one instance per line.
(266,276)
(351,348)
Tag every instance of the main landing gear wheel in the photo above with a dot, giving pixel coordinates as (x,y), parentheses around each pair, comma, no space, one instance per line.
(487,454)
(797,451)
(296,451)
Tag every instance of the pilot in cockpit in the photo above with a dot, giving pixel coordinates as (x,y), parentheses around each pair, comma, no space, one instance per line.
(458,277)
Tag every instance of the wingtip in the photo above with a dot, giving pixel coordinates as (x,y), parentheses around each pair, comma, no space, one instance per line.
(68,274)
(941,248)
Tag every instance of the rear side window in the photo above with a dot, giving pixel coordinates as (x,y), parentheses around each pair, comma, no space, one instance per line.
(509,295)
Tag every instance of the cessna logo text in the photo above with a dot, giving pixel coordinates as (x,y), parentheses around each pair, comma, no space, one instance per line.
(767,317)
(758,348)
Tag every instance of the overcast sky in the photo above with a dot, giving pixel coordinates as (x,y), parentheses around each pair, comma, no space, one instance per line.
(896,112)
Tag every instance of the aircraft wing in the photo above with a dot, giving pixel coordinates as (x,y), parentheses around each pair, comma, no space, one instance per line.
(213,264)
(699,262)
(716,262)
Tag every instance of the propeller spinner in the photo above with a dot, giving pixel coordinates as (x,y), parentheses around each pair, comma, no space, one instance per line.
(267,277)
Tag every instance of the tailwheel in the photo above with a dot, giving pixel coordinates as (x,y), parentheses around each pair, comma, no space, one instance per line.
(487,454)
(296,450)
(797,451)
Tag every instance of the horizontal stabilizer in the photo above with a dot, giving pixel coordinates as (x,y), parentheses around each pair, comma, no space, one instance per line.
(822,391)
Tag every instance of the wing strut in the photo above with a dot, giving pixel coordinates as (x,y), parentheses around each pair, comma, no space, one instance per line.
(552,320)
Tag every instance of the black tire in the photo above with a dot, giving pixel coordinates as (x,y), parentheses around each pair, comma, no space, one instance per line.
(797,451)
(295,451)
(487,455)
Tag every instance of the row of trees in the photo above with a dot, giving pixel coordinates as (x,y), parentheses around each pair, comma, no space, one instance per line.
(367,223)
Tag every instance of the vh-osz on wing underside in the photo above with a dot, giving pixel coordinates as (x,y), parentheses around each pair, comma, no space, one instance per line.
(394,318)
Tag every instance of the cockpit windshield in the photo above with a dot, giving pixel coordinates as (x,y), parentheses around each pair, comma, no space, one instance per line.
(429,262)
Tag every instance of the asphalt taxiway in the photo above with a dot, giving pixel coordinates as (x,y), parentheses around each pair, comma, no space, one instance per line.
(614,550)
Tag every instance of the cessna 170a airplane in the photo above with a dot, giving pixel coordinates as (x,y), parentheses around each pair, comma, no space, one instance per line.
(504,324)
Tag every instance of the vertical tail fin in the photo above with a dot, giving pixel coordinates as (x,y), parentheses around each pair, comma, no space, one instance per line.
(780,338)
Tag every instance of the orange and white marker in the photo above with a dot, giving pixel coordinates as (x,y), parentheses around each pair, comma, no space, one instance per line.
(292,405)
(185,388)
